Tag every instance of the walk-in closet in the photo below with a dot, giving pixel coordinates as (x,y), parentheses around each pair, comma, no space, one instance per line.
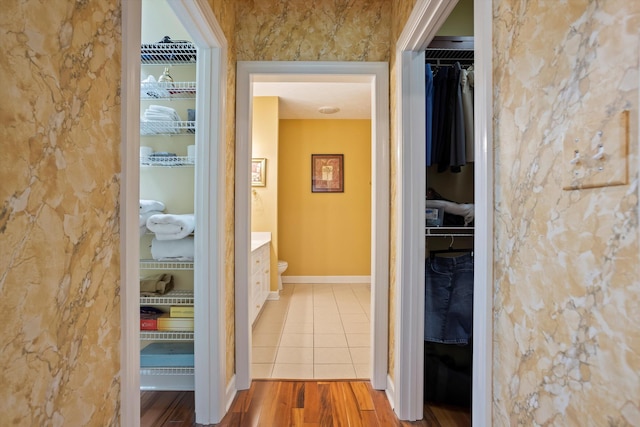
(449,222)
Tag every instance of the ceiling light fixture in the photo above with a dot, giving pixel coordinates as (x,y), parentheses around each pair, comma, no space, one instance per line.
(328,110)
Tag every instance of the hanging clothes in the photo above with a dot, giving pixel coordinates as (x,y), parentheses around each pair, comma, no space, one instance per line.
(466,83)
(428,110)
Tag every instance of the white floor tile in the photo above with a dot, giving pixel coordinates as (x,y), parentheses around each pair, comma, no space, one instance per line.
(297,371)
(301,355)
(358,340)
(331,355)
(265,340)
(263,354)
(298,328)
(334,371)
(261,370)
(296,340)
(357,327)
(354,318)
(324,327)
(360,355)
(329,340)
(363,370)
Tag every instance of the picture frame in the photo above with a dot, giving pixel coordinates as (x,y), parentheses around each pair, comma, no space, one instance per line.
(327,173)
(258,172)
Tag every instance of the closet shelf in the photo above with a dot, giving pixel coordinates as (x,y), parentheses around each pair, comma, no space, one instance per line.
(167,90)
(165,336)
(168,162)
(448,231)
(176,127)
(174,297)
(167,371)
(168,53)
(444,50)
(151,264)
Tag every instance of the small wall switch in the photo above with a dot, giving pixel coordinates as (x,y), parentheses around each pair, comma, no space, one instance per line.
(597,157)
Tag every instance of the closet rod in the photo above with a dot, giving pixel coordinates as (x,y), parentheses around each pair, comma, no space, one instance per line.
(445,50)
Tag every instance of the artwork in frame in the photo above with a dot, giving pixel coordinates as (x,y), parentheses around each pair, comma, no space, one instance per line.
(258,172)
(327,173)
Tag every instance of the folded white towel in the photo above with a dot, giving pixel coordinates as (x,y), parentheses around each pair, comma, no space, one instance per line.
(170,226)
(144,217)
(151,205)
(173,250)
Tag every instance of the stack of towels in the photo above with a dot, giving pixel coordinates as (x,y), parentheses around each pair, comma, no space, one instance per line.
(148,208)
(161,114)
(173,240)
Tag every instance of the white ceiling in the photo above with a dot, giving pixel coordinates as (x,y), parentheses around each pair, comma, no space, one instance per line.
(301,99)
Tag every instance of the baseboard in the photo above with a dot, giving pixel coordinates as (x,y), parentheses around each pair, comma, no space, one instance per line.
(390,391)
(326,279)
(273,295)
(230,394)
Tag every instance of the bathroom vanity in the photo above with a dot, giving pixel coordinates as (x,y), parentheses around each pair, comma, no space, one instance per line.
(260,275)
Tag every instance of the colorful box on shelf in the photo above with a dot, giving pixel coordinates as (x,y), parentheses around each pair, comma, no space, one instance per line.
(167,354)
(181,311)
(168,323)
(149,322)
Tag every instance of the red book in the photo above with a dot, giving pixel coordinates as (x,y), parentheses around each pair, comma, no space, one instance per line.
(149,324)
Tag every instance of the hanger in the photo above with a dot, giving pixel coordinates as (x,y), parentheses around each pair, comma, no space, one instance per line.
(450,250)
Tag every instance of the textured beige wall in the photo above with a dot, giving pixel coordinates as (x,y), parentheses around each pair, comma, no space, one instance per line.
(322,30)
(59,229)
(567,284)
(225,13)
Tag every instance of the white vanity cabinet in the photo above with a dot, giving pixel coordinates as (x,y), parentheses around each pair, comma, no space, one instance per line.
(260,279)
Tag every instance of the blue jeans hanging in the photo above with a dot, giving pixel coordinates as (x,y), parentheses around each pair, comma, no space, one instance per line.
(449,299)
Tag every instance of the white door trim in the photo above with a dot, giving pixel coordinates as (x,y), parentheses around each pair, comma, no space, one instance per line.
(426,18)
(378,74)
(211,398)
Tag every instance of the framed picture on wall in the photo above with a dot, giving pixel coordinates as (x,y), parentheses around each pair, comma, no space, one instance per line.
(327,173)
(258,172)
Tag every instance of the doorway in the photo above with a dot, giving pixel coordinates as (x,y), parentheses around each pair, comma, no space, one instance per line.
(376,74)
(210,394)
(422,25)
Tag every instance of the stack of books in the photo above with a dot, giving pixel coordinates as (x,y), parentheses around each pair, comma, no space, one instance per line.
(149,318)
(179,318)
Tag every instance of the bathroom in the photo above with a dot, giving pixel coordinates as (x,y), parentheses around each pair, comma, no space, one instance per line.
(323,237)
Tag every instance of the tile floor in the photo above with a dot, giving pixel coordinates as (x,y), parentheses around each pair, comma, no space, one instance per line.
(314,331)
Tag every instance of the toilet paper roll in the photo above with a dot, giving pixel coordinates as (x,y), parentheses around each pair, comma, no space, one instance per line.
(145,152)
(191,153)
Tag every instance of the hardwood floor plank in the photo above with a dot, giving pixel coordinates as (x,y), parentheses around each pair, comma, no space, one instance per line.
(297,403)
(362,395)
(325,405)
(311,402)
(386,416)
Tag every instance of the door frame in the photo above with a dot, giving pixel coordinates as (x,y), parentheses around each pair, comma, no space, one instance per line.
(377,73)
(424,21)
(212,398)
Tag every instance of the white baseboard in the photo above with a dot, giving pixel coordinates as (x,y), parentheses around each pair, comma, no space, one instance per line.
(230,394)
(273,295)
(326,279)
(391,392)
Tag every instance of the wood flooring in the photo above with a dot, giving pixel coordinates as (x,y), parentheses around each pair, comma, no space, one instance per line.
(272,403)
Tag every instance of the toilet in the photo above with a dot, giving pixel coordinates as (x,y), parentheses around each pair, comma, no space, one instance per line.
(282,266)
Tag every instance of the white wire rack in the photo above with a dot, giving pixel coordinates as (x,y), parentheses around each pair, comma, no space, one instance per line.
(168,53)
(174,297)
(167,371)
(175,127)
(166,335)
(167,90)
(150,264)
(448,231)
(168,161)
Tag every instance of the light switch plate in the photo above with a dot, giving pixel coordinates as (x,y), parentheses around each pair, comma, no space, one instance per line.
(597,155)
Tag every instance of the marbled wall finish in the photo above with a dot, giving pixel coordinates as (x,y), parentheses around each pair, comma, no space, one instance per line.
(323,30)
(59,228)
(225,13)
(567,284)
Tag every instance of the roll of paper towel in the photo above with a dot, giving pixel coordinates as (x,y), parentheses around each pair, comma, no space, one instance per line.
(191,152)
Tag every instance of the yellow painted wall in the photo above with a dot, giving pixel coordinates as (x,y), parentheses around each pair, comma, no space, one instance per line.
(460,20)
(264,200)
(325,234)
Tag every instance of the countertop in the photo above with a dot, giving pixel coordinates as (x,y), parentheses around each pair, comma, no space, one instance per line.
(259,238)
